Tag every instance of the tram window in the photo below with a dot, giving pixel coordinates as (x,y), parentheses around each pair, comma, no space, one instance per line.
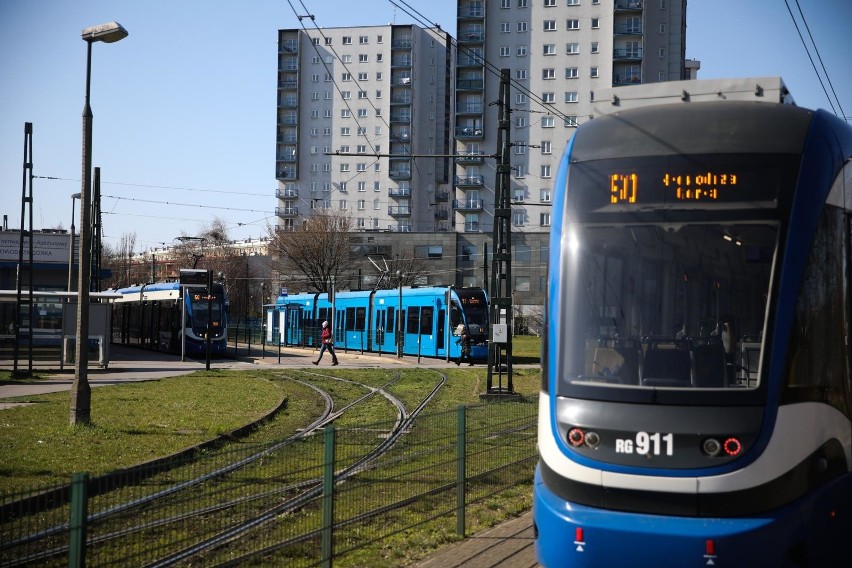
(455,316)
(413,317)
(360,318)
(391,322)
(350,319)
(426,315)
(816,368)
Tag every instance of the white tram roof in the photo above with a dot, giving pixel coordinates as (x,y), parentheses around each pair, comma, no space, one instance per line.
(12,295)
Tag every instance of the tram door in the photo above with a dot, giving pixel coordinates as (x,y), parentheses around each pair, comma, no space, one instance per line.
(381,321)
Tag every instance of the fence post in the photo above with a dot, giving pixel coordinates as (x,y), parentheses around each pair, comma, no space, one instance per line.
(461,429)
(328,499)
(77,521)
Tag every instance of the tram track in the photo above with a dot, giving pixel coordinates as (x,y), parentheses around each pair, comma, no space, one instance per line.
(301,492)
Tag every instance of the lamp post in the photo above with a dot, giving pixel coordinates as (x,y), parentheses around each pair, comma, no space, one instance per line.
(71,244)
(399,322)
(262,317)
(81,393)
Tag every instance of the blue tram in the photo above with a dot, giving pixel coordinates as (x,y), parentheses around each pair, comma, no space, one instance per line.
(424,321)
(696,404)
(150,315)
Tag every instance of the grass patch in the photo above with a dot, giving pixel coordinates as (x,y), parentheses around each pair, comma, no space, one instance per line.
(526,349)
(131,423)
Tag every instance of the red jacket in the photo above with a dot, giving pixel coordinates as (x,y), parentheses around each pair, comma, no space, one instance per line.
(326,334)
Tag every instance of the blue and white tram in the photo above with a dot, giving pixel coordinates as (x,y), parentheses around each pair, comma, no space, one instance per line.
(149,316)
(697,392)
(426,322)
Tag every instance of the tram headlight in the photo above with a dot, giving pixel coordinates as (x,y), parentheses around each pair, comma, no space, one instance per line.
(592,439)
(576,437)
(711,447)
(732,446)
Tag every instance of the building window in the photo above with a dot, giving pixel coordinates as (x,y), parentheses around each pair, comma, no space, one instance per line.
(504,51)
(544,219)
(594,47)
(344,131)
(328,41)
(362,186)
(522,51)
(571,97)
(344,167)
(347,40)
(547,122)
(346,59)
(520,149)
(315,113)
(593,71)
(518,218)
(521,99)
(505,3)
(522,3)
(575,3)
(544,195)
(549,49)
(346,77)
(596,23)
(549,26)
(505,27)
(572,48)
(521,122)
(345,95)
(520,74)
(363,40)
(520,171)
(362,58)
(545,170)
(518,194)
(548,73)
(549,3)
(662,52)
(545,147)
(662,28)
(342,186)
(362,77)
(345,113)
(377,186)
(571,73)
(573,24)
(522,26)
(548,98)
(379,76)
(362,113)
(378,39)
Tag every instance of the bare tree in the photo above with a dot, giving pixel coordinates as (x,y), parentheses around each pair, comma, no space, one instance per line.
(311,257)
(119,259)
(403,268)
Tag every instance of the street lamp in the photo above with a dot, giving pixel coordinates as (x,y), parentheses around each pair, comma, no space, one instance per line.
(81,393)
(399,322)
(71,244)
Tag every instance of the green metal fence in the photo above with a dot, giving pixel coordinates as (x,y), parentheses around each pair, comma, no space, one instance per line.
(322,500)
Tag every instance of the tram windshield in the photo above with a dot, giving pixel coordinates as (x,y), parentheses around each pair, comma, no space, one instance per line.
(662,305)
(198,299)
(475,307)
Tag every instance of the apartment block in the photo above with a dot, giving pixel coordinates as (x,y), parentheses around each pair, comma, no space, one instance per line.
(360,110)
(354,106)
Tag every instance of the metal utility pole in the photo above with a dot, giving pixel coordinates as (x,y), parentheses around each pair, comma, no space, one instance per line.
(500,340)
(26,236)
(96,232)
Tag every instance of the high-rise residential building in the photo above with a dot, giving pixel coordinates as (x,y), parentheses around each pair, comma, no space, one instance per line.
(354,104)
(404,90)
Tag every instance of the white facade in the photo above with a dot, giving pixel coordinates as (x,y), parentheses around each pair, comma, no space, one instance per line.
(352,104)
(560,54)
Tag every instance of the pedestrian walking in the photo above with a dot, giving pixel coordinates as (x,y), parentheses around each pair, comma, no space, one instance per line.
(464,340)
(327,341)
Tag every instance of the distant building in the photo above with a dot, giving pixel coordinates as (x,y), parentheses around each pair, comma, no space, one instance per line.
(407,91)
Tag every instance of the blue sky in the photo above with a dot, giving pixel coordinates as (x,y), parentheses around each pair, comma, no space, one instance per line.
(184,108)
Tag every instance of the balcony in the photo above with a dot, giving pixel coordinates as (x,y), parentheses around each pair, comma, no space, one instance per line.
(289,65)
(400,174)
(289,47)
(286,157)
(401,62)
(399,211)
(471,157)
(626,79)
(400,81)
(441,214)
(288,102)
(442,196)
(470,60)
(469,181)
(400,229)
(627,29)
(397,192)
(470,84)
(468,206)
(469,108)
(468,132)
(627,54)
(628,5)
(402,117)
(401,135)
(401,99)
(289,121)
(471,12)
(288,84)
(471,36)
(286,193)
(287,211)
(401,43)
(471,227)
(286,173)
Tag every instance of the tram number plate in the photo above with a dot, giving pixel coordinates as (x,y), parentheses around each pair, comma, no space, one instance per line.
(646,443)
